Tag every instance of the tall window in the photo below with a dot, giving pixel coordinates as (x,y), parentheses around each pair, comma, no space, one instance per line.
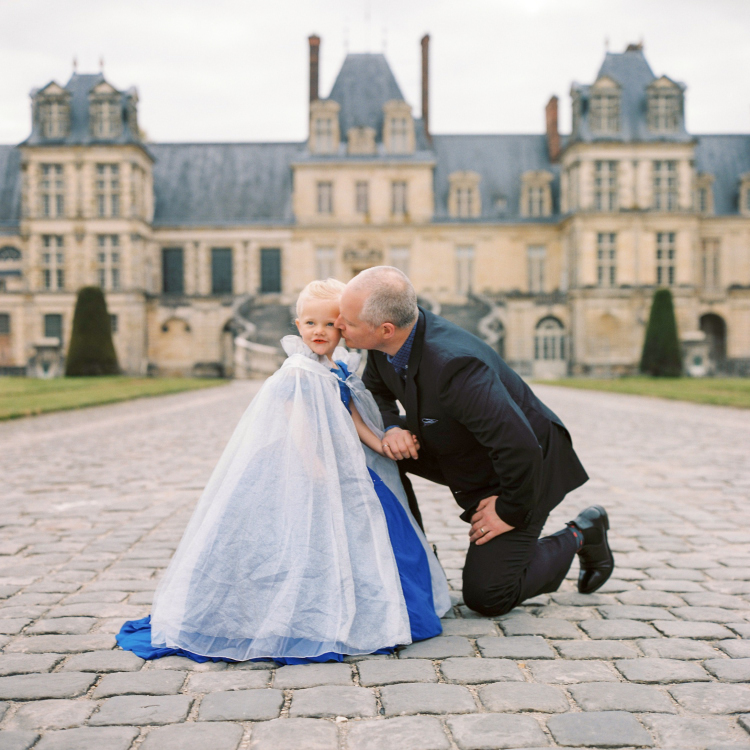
(400,259)
(108,190)
(703,203)
(325,262)
(221,270)
(665,185)
(664,111)
(4,324)
(52,191)
(464,269)
(323,135)
(55,118)
(53,262)
(362,192)
(53,326)
(605,185)
(399,135)
(665,254)
(606,258)
(325,197)
(534,200)
(465,201)
(106,117)
(398,198)
(605,113)
(710,268)
(536,256)
(108,257)
(549,340)
(172,271)
(270,270)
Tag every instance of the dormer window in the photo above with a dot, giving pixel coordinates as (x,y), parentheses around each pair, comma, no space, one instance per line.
(664,106)
(704,194)
(324,127)
(360,140)
(604,111)
(745,194)
(536,193)
(464,200)
(398,128)
(52,106)
(105,111)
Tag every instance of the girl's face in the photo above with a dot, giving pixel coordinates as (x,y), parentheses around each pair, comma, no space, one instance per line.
(316,325)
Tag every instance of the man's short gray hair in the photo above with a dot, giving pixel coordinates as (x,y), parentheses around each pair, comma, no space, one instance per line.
(390,297)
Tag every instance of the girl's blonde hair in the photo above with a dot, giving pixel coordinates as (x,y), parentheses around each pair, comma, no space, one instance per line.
(328,289)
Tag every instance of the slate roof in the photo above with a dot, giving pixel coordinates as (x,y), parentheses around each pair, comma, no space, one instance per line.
(79,86)
(10,189)
(500,160)
(631,71)
(727,157)
(223,183)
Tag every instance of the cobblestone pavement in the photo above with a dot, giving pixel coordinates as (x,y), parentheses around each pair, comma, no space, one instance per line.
(95,501)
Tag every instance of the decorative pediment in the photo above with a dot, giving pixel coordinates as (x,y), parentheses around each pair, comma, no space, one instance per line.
(53,89)
(605,83)
(104,89)
(665,83)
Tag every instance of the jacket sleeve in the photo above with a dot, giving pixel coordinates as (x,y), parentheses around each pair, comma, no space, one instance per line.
(383,396)
(472,394)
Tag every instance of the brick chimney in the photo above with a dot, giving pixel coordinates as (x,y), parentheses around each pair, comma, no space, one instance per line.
(553,136)
(426,85)
(314,65)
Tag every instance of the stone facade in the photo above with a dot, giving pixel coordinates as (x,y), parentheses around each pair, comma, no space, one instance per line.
(548,246)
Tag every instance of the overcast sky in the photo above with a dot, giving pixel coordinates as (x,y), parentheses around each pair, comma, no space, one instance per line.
(234,70)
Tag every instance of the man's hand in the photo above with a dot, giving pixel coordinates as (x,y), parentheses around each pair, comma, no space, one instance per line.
(398,444)
(485,523)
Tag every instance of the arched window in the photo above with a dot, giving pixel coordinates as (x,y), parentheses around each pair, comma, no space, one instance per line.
(549,339)
(8,252)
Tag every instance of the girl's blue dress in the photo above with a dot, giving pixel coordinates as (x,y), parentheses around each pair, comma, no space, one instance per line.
(411,560)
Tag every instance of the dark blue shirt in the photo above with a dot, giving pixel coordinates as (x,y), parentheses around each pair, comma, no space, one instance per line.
(400,360)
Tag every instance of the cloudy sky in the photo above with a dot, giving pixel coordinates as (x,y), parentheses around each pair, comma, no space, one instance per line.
(236,70)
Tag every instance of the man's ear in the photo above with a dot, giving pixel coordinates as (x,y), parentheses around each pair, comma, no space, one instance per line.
(388,330)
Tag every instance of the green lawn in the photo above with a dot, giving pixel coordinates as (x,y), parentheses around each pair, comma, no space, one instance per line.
(720,391)
(21,397)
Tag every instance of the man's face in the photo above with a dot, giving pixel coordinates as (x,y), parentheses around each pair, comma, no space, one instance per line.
(356,333)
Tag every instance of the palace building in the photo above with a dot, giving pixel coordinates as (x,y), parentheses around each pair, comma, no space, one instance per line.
(548,246)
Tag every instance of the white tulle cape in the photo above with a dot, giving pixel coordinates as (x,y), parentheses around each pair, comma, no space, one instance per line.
(287,552)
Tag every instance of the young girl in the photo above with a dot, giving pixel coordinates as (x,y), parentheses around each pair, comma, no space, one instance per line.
(302,547)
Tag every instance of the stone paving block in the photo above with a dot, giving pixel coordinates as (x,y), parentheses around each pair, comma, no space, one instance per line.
(678,648)
(310,734)
(633,612)
(85,738)
(735,648)
(742,630)
(61,644)
(595,649)
(3,709)
(241,705)
(103,661)
(139,683)
(476,671)
(523,696)
(744,722)
(676,574)
(142,710)
(412,732)
(547,627)
(494,731)
(676,586)
(329,701)
(516,647)
(599,730)
(574,599)
(312,675)
(713,599)
(621,696)
(709,614)
(11,664)
(7,590)
(474,628)
(184,664)
(212,682)
(31,687)
(62,626)
(571,614)
(650,599)
(426,698)
(685,732)
(701,630)
(11,740)
(441,647)
(729,670)
(214,736)
(13,625)
(664,671)
(25,612)
(561,672)
(391,671)
(712,698)
(618,629)
(51,714)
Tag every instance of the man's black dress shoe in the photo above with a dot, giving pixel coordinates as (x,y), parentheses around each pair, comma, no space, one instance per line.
(596,558)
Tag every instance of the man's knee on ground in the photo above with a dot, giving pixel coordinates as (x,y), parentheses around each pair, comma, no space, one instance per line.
(491,602)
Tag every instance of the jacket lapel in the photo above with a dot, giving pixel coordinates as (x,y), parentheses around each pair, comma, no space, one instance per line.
(411,403)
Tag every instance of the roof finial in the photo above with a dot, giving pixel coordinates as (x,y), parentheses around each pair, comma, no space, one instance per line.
(606,44)
(101,64)
(75,64)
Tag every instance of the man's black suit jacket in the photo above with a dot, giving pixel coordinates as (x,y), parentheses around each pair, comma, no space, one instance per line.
(481,429)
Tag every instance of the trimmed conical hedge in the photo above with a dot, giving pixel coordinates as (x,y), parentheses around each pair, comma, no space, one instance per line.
(91,351)
(661,350)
